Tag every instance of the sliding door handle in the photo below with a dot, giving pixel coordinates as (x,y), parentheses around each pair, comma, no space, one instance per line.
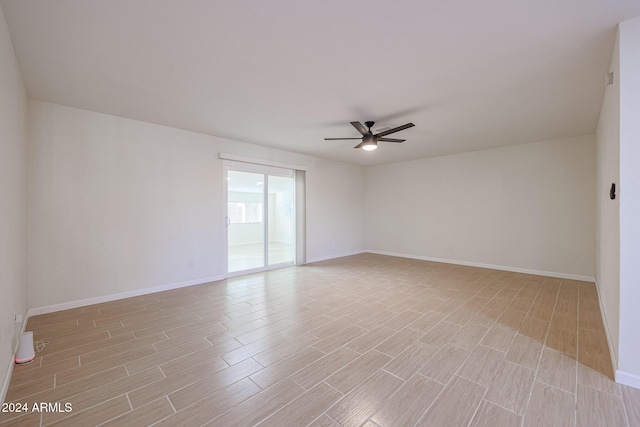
(227,221)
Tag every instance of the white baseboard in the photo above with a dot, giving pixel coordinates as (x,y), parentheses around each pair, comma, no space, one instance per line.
(7,377)
(113,297)
(325,258)
(628,379)
(491,266)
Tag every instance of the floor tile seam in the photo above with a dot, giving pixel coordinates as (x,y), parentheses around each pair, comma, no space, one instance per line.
(14,416)
(252,358)
(154,344)
(33,381)
(219,357)
(245,358)
(160,421)
(119,394)
(502,407)
(367,378)
(300,385)
(625,410)
(70,414)
(170,404)
(575,412)
(479,341)
(71,382)
(79,338)
(382,352)
(329,416)
(344,396)
(198,325)
(486,390)
(174,390)
(472,381)
(484,395)
(304,367)
(491,348)
(319,338)
(455,373)
(325,352)
(121,415)
(42,358)
(424,411)
(535,375)
(444,386)
(314,419)
(393,375)
(107,358)
(202,398)
(166,361)
(556,387)
(129,401)
(599,390)
(290,401)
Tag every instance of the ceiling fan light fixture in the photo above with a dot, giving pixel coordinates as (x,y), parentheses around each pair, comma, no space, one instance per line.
(369,143)
(369,146)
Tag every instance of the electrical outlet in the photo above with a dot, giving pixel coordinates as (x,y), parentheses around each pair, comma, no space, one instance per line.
(17,318)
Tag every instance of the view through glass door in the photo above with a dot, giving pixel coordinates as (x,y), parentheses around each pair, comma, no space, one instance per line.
(260,217)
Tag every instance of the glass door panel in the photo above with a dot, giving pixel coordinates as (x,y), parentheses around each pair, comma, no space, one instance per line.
(245,221)
(281,220)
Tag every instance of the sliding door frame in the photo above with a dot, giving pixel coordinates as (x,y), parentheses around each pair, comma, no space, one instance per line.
(265,171)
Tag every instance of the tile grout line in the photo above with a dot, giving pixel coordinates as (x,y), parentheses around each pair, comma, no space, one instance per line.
(535,376)
(555,387)
(444,387)
(171,404)
(506,409)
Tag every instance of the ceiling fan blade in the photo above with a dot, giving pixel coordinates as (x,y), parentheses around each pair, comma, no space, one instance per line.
(397,129)
(391,140)
(360,128)
(338,139)
(359,145)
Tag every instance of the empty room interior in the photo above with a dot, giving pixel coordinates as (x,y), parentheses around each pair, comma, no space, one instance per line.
(340,213)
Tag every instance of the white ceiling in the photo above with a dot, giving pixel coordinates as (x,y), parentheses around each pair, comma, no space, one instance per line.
(287,73)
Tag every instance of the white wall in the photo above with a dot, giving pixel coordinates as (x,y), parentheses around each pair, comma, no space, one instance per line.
(527,207)
(335,201)
(119,205)
(629,351)
(13,287)
(608,211)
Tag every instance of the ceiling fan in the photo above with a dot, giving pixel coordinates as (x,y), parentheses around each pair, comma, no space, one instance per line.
(369,140)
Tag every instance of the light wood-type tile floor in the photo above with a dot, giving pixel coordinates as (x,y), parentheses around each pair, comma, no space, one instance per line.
(366,340)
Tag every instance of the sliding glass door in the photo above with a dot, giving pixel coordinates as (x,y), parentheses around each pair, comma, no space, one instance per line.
(260,217)
(245,221)
(281,215)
